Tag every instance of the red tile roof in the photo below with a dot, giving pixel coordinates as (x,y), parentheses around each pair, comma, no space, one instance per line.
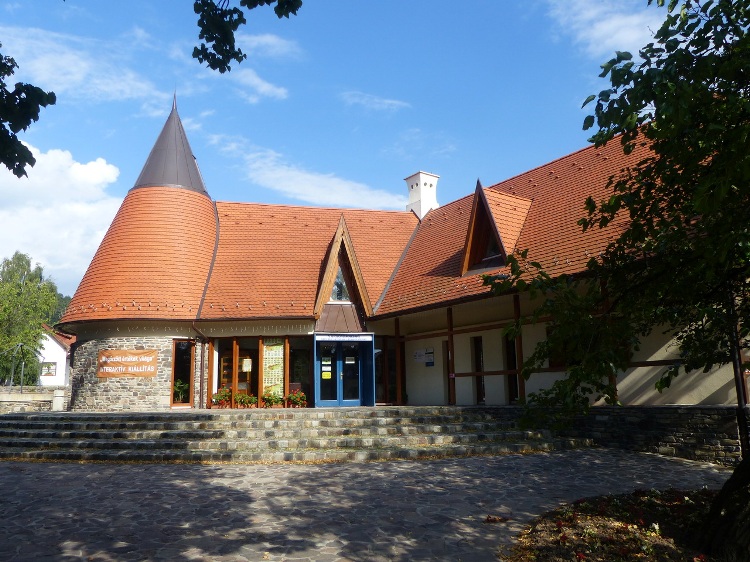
(163,257)
(154,260)
(537,210)
(63,340)
(270,257)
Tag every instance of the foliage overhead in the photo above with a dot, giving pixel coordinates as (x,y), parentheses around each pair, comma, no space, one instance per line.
(218,23)
(19,107)
(27,300)
(682,263)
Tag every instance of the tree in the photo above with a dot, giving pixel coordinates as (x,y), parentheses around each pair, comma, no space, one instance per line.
(27,300)
(218,24)
(18,109)
(679,260)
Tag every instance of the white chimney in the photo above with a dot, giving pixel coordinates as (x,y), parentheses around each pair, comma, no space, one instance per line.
(422,188)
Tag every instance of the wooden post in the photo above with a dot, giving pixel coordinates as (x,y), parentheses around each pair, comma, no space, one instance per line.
(399,372)
(260,369)
(235,366)
(519,347)
(286,365)
(210,378)
(451,360)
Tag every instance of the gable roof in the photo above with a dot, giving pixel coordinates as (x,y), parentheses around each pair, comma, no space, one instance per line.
(60,338)
(270,260)
(342,242)
(173,254)
(537,210)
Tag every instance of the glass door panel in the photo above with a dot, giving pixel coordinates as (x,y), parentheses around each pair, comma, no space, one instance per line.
(328,371)
(350,371)
(338,372)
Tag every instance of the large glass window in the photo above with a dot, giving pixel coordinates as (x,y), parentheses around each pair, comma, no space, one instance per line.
(300,366)
(385,370)
(247,366)
(182,371)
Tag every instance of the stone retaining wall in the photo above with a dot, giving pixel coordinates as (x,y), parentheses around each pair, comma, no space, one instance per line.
(33,399)
(707,433)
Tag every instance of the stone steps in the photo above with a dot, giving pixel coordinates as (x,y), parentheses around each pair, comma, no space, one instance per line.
(275,435)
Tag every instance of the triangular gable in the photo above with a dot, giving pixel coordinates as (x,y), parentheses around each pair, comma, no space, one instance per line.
(494,227)
(509,213)
(342,244)
(482,235)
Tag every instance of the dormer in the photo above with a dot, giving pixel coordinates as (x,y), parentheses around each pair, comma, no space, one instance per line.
(495,225)
(343,303)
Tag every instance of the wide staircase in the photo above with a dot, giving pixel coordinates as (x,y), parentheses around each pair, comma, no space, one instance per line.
(272,435)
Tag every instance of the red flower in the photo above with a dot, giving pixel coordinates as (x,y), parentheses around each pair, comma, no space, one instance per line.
(580,556)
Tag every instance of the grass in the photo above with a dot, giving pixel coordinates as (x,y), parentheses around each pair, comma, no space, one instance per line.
(642,526)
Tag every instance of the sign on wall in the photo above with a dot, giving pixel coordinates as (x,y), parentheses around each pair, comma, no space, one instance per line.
(126,363)
(273,365)
(49,369)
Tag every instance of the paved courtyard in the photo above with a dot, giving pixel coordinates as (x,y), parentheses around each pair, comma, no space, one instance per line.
(399,511)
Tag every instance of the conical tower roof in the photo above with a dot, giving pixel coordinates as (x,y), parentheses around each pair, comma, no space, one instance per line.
(155,259)
(171,162)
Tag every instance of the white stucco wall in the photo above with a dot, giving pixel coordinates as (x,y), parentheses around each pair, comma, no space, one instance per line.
(425,385)
(53,352)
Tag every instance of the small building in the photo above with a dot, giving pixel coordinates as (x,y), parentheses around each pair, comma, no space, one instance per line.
(187,295)
(54,357)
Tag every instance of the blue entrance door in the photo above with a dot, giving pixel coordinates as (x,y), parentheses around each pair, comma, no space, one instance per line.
(338,373)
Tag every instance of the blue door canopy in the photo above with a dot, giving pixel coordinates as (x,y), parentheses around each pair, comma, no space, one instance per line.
(344,370)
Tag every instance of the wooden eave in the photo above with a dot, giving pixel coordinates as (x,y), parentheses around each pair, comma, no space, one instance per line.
(341,238)
(479,208)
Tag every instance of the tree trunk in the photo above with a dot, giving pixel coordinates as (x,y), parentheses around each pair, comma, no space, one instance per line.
(726,531)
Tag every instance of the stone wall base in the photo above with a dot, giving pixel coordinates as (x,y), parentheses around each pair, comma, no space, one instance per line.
(705,433)
(33,399)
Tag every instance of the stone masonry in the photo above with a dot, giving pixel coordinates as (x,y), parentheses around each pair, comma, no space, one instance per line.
(89,392)
(705,433)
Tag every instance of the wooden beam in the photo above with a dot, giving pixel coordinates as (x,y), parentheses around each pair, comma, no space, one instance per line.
(210,378)
(451,360)
(399,370)
(519,346)
(286,366)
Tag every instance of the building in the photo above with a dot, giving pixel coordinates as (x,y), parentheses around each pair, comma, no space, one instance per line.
(187,295)
(55,357)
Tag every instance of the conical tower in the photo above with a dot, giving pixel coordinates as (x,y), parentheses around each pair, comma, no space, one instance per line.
(155,259)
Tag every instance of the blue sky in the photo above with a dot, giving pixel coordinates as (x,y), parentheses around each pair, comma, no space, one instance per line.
(334,107)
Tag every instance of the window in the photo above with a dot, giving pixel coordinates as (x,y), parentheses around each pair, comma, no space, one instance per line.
(340,292)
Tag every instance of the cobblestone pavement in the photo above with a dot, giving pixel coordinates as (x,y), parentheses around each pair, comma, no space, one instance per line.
(399,511)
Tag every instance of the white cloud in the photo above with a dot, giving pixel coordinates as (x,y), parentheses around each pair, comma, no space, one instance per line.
(416,143)
(254,87)
(601,27)
(58,215)
(266,45)
(73,66)
(267,168)
(375,103)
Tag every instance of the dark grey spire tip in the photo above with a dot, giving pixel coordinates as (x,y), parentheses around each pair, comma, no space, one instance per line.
(171,162)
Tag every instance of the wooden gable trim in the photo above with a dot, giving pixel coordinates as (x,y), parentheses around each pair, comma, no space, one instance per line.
(342,241)
(481,218)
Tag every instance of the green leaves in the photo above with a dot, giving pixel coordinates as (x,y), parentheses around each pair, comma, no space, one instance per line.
(27,300)
(19,108)
(218,24)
